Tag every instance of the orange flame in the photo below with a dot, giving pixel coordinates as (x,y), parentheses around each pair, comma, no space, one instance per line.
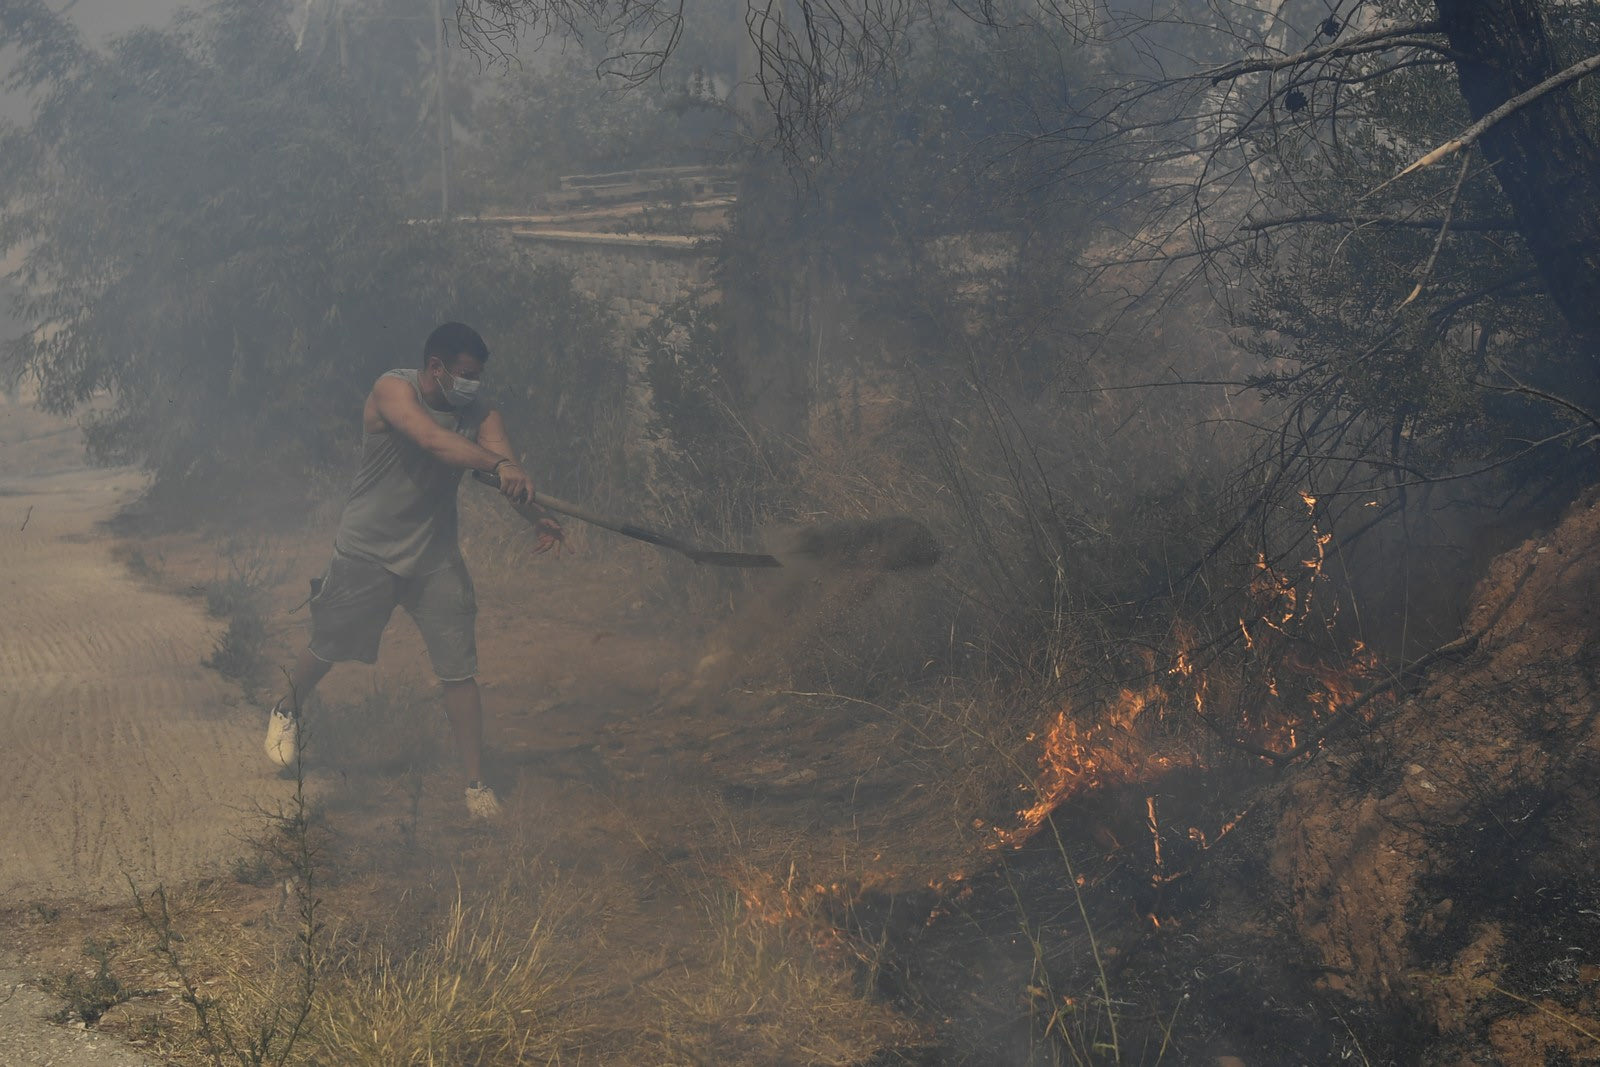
(1076,758)
(1294,696)
(793,906)
(1281,694)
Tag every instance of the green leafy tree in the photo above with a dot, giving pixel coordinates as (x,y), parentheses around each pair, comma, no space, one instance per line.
(918,240)
(211,231)
(388,58)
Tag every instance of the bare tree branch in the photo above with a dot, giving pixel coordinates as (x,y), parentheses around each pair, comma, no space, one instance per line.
(1444,231)
(1408,36)
(1382,221)
(1471,135)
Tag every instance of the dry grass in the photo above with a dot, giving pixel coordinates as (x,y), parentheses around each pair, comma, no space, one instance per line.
(771,990)
(496,982)
(238,948)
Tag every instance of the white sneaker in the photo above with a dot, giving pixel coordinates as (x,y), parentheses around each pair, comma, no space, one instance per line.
(283,731)
(481,802)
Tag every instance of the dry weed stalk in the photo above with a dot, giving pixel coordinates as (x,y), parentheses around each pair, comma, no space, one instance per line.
(771,995)
(493,986)
(269,1032)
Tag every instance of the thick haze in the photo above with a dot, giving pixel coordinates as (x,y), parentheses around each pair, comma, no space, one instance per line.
(1236,440)
(103,19)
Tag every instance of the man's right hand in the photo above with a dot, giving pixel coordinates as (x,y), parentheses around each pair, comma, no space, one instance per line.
(515,485)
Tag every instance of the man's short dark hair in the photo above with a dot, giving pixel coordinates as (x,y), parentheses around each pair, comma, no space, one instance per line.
(454,339)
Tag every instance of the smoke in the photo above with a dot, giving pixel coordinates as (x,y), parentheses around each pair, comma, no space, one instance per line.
(1018,400)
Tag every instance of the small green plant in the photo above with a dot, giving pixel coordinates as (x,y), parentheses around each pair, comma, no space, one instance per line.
(253,870)
(239,652)
(251,572)
(229,595)
(89,998)
(241,598)
(138,564)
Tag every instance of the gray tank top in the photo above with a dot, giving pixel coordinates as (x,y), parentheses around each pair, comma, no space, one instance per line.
(401,512)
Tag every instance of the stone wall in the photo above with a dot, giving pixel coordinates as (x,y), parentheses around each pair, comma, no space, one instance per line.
(636,275)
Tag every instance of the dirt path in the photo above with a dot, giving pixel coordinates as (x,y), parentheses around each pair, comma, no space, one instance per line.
(27,1040)
(124,757)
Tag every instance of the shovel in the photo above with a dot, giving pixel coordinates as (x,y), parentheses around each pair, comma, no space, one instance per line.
(639,533)
(891,544)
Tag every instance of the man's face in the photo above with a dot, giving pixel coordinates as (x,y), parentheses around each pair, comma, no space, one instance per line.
(460,366)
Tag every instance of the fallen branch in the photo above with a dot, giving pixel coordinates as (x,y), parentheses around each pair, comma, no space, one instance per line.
(1462,646)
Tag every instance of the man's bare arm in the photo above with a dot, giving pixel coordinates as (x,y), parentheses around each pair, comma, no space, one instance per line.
(492,435)
(403,413)
(514,481)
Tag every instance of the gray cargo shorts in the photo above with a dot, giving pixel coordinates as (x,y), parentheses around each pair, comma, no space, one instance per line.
(351,610)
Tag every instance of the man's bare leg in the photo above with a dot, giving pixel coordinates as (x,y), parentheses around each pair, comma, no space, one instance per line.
(307,671)
(283,724)
(464,707)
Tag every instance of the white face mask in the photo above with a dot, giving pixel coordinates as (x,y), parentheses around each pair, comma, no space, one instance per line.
(461,392)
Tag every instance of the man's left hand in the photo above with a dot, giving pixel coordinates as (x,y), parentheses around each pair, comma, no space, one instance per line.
(551,536)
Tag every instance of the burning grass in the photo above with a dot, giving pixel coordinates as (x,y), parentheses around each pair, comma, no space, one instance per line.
(1140,735)
(1270,689)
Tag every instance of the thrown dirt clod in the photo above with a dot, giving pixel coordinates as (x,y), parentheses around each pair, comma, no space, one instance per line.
(892,544)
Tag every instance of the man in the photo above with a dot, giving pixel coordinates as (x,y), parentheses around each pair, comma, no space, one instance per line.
(397,544)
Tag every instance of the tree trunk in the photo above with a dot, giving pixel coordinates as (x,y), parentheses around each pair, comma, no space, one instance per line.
(1545,157)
